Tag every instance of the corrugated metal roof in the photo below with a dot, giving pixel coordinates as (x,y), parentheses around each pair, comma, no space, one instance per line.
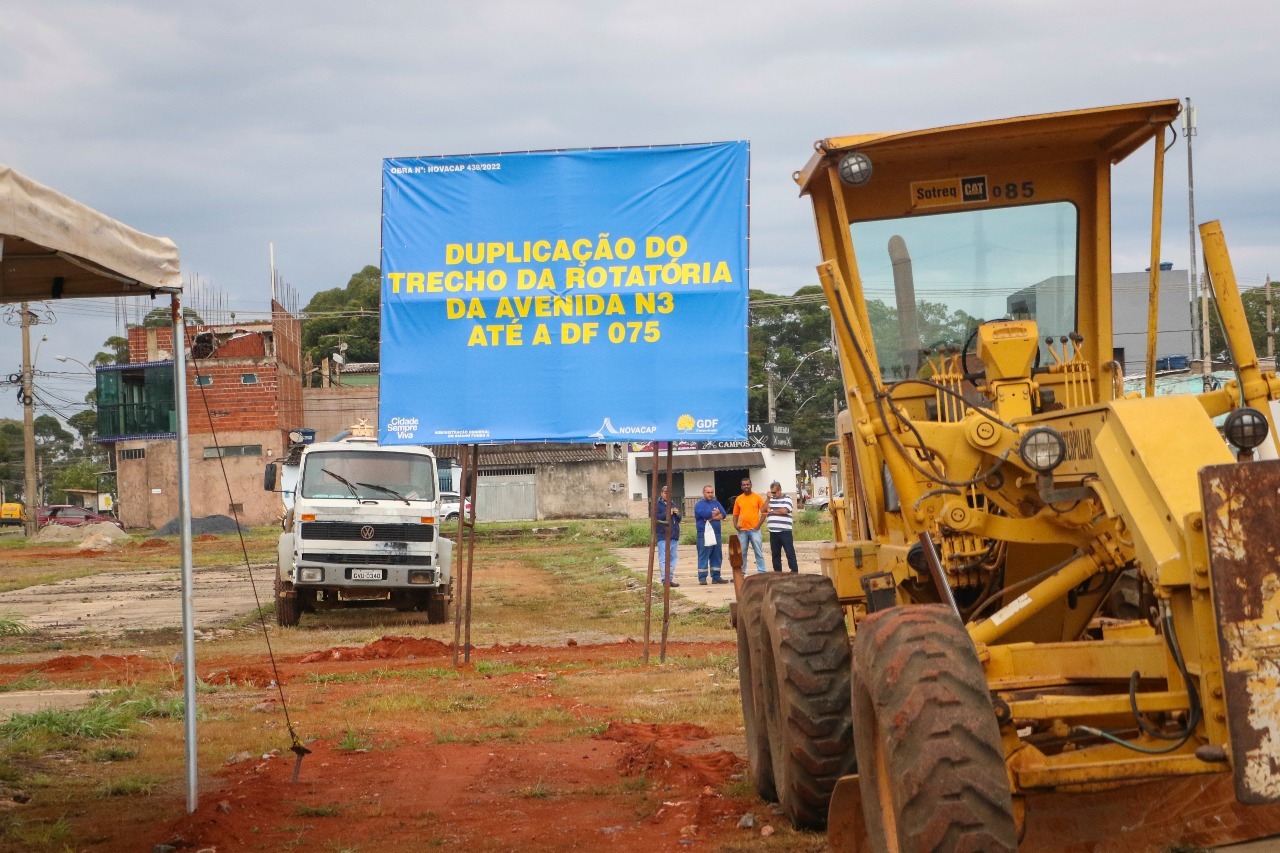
(711,461)
(527,453)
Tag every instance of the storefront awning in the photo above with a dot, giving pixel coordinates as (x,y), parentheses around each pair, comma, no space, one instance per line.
(703,461)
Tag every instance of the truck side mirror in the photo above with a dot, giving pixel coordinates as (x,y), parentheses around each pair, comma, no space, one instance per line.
(269,477)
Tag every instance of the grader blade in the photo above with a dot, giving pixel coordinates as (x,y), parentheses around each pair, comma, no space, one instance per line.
(1186,813)
(1190,813)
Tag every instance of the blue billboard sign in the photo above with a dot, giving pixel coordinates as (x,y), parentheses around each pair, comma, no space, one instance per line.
(589,295)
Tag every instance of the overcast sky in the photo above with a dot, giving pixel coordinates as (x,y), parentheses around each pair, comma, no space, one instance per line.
(231,126)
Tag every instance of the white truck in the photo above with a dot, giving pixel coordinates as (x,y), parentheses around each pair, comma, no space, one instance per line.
(361,529)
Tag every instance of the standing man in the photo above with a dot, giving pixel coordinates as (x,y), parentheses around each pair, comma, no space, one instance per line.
(664,514)
(748,514)
(781,533)
(706,517)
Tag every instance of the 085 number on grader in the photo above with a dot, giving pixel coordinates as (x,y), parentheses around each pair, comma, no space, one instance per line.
(1000,483)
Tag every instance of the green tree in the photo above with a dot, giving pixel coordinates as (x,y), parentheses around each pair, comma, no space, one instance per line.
(52,441)
(80,474)
(1255,311)
(115,351)
(11,472)
(790,340)
(345,315)
(85,423)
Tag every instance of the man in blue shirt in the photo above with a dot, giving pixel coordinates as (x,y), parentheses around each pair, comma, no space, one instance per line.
(707,514)
(667,546)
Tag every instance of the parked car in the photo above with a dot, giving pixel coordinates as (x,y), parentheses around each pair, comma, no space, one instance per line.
(72,516)
(11,513)
(821,502)
(451,505)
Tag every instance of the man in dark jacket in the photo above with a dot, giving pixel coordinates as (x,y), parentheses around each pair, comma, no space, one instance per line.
(667,516)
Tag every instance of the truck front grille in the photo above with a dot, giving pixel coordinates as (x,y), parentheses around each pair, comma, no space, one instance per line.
(348,531)
(370,559)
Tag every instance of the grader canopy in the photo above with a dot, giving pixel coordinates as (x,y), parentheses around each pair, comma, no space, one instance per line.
(1053,586)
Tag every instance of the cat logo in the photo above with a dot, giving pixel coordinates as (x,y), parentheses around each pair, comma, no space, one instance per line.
(973,189)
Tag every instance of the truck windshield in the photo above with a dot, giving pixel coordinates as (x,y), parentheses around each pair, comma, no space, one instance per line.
(406,474)
(952,271)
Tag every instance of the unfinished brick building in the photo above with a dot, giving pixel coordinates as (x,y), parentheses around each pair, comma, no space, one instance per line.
(244,395)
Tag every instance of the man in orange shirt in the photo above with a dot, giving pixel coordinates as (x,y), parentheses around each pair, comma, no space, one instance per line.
(748,514)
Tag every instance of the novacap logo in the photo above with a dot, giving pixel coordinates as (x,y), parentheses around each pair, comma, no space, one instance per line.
(684,423)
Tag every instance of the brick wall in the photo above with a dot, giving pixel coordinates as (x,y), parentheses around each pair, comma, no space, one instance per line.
(287,335)
(230,404)
(274,402)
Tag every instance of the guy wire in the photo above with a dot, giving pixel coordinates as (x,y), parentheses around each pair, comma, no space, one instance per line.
(244,550)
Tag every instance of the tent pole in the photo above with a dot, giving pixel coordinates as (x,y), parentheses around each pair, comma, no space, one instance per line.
(184,531)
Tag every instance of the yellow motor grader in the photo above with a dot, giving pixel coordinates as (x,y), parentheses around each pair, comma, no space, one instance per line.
(953,674)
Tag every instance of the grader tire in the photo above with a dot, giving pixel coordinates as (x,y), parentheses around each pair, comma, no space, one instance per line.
(932,772)
(751,688)
(804,676)
(288,610)
(437,609)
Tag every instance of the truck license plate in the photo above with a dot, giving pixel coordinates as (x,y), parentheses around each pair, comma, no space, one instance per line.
(366,574)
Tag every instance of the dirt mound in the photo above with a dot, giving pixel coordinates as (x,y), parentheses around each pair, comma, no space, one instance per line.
(102,531)
(154,544)
(89,663)
(387,647)
(657,750)
(97,544)
(207,524)
(241,675)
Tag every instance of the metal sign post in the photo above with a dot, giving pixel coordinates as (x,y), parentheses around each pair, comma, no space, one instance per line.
(184,534)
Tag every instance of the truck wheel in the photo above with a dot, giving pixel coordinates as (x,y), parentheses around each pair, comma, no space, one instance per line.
(288,610)
(437,610)
(750,682)
(932,772)
(805,675)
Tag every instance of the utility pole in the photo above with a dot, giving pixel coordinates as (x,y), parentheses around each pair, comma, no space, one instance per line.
(1189,131)
(1204,328)
(1271,334)
(28,427)
(773,401)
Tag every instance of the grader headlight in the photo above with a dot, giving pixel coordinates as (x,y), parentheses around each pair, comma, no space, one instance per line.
(1246,428)
(1042,449)
(854,169)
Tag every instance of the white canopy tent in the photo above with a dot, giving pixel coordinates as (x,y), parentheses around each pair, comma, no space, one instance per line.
(53,247)
(57,248)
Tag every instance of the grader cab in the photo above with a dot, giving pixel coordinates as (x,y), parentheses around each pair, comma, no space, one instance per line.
(1000,482)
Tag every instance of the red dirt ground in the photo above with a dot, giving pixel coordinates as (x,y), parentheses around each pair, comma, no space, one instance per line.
(480,796)
(634,787)
(558,795)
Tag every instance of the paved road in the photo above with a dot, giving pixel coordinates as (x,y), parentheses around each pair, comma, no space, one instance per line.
(113,602)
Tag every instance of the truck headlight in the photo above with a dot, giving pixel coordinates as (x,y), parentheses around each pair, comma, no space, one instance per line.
(1042,449)
(422,576)
(1246,428)
(310,575)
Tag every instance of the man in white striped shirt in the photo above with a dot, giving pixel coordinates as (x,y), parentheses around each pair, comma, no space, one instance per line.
(780,521)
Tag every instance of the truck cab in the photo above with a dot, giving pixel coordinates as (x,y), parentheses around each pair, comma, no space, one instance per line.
(363,530)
